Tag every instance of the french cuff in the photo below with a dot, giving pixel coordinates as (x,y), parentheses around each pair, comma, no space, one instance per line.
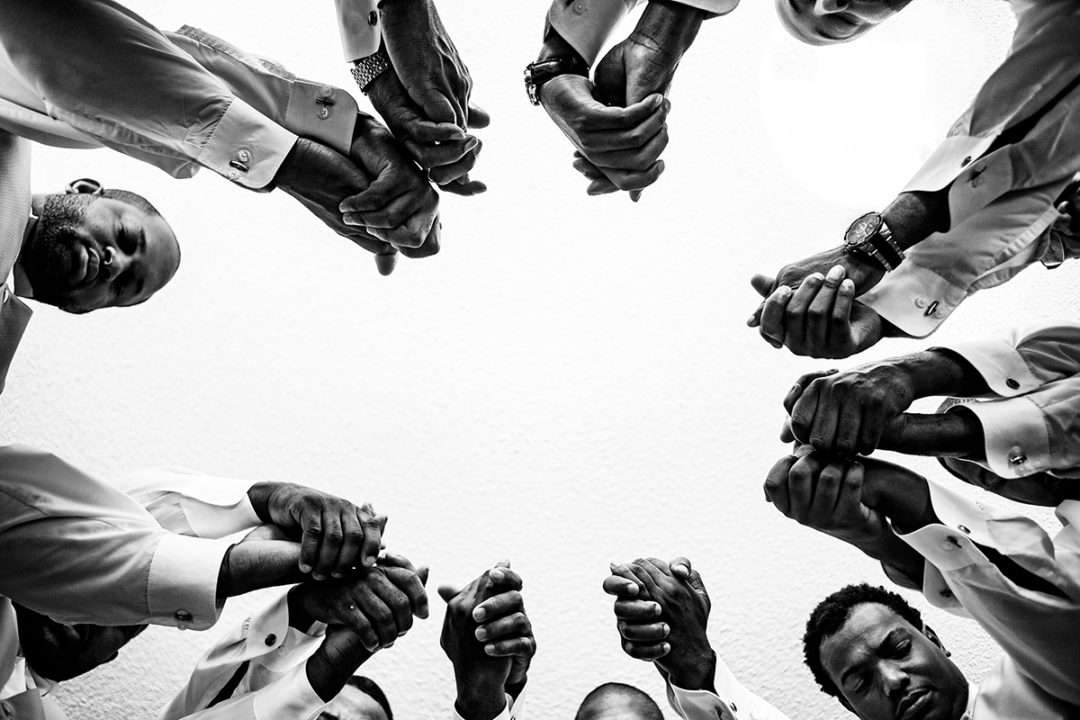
(701,704)
(269,629)
(182,587)
(322,112)
(587,24)
(1017,437)
(246,147)
(290,697)
(950,159)
(511,711)
(999,363)
(358,22)
(914,299)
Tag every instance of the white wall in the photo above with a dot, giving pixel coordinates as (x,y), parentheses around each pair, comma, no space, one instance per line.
(569,382)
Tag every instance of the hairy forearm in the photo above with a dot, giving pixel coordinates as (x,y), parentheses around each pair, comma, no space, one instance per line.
(940,372)
(479,701)
(914,216)
(258,564)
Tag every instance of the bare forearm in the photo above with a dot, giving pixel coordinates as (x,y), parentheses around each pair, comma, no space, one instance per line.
(258,564)
(952,434)
(669,28)
(939,372)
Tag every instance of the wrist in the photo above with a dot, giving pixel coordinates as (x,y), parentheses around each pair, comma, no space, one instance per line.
(480,699)
(259,495)
(299,617)
(555,45)
(914,216)
(695,671)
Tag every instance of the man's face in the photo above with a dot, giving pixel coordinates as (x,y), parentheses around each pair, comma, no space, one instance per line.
(95,252)
(824,22)
(886,669)
(353,704)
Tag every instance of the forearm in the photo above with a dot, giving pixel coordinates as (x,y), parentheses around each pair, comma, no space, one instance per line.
(694,671)
(940,372)
(479,700)
(258,564)
(555,45)
(952,434)
(914,216)
(668,28)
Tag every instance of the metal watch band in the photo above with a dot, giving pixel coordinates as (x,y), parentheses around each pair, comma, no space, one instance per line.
(538,73)
(365,70)
(886,246)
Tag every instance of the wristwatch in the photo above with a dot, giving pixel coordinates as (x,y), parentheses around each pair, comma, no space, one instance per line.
(539,72)
(870,238)
(366,69)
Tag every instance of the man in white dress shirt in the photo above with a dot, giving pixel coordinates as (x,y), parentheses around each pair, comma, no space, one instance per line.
(80,551)
(1011,424)
(1003,570)
(979,211)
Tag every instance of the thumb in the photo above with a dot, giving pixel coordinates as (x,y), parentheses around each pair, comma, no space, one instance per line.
(763,284)
(422,573)
(437,107)
(478,117)
(680,568)
(448,592)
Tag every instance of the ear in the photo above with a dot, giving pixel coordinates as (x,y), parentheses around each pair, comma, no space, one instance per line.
(84,186)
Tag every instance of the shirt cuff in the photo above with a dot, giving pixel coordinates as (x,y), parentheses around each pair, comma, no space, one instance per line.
(288,698)
(587,24)
(246,147)
(1017,439)
(914,299)
(951,158)
(360,36)
(182,588)
(699,704)
(324,113)
(713,7)
(999,363)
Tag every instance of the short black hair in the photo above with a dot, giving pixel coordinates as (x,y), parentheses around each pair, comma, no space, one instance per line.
(367,686)
(126,196)
(831,614)
(593,704)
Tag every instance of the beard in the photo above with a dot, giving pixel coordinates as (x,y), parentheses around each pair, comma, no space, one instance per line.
(53,252)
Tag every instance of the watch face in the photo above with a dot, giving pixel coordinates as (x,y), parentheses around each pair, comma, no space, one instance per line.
(862,229)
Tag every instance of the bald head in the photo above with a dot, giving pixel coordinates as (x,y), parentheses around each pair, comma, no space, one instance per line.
(617,701)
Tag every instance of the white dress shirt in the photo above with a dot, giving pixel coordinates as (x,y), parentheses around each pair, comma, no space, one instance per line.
(176,104)
(80,550)
(587,24)
(731,701)
(273,684)
(1040,632)
(1001,196)
(1031,418)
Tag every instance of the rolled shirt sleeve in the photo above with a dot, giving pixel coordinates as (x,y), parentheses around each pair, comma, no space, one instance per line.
(1031,422)
(587,24)
(111,75)
(731,701)
(80,551)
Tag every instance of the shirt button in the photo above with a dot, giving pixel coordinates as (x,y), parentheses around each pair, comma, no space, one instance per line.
(921,302)
(323,113)
(1017,456)
(233,174)
(326,91)
(976,181)
(946,593)
(579,8)
(1012,383)
(243,156)
(271,640)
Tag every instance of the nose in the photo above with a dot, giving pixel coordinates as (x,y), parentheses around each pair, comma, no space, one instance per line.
(114,261)
(827,7)
(894,680)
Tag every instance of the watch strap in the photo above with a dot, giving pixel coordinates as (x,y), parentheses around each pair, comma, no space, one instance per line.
(366,69)
(539,72)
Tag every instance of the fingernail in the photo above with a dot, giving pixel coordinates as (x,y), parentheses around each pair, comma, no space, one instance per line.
(305,568)
(656,609)
(767,499)
(611,566)
(848,285)
(836,273)
(481,634)
(815,277)
(666,628)
(751,321)
(784,290)
(479,614)
(369,562)
(489,649)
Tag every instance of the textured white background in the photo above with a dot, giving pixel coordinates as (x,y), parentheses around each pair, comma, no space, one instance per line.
(569,382)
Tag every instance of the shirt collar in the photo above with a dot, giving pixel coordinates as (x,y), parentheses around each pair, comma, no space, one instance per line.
(19,280)
(969,711)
